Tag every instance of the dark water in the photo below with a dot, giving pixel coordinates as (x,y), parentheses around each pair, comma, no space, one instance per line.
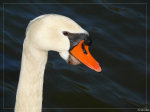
(118,32)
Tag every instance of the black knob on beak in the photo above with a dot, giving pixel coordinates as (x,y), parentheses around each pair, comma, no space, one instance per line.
(88,41)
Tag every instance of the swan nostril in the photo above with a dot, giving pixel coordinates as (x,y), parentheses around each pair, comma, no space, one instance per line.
(83,48)
(88,41)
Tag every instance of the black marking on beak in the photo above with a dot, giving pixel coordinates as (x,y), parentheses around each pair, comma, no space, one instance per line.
(75,38)
(88,41)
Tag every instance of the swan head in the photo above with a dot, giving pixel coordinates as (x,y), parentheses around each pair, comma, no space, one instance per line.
(58,33)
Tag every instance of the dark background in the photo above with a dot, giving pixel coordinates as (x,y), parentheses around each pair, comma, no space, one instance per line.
(118,32)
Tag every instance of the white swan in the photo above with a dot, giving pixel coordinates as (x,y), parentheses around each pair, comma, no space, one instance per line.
(45,33)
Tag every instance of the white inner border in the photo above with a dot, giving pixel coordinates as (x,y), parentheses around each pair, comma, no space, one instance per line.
(146,108)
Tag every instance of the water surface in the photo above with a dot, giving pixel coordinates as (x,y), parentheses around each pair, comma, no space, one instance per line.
(119,44)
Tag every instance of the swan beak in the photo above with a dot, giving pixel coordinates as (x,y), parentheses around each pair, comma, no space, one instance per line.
(81,52)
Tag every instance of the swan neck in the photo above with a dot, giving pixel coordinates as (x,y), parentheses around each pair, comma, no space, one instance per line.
(30,86)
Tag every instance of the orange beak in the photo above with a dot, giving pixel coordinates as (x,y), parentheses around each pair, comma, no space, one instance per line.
(81,52)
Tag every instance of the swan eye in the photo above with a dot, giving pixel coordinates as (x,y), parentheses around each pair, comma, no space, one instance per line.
(66,33)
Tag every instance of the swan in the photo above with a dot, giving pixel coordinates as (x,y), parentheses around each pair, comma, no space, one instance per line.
(49,32)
